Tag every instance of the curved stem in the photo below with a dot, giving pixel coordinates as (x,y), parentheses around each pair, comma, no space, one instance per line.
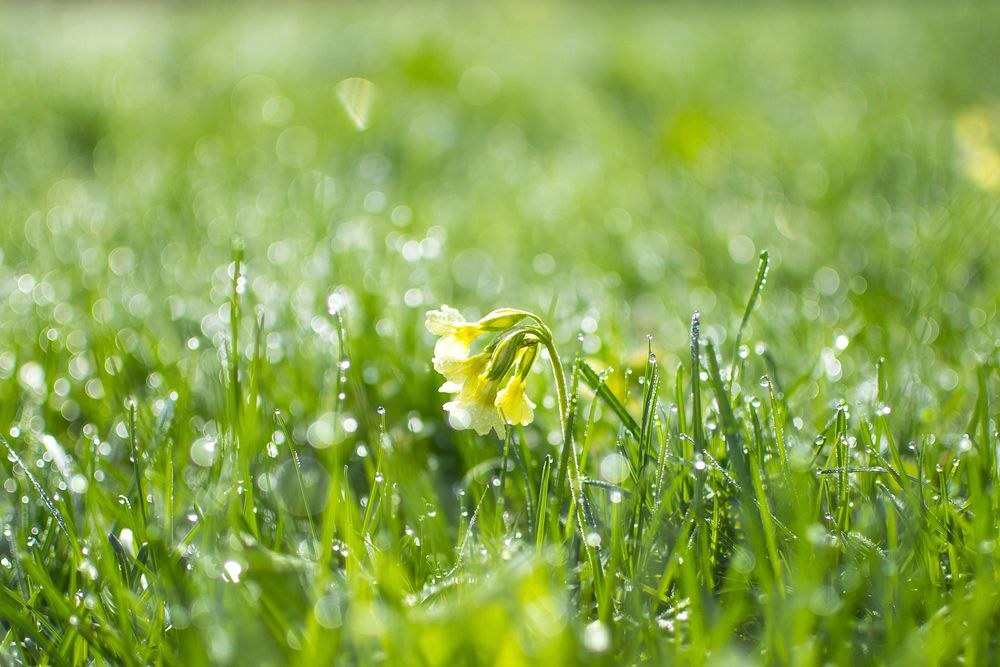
(575,477)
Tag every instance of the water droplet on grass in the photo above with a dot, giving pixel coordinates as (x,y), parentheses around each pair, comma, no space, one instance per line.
(78,484)
(327,611)
(597,637)
(203,452)
(232,570)
(614,468)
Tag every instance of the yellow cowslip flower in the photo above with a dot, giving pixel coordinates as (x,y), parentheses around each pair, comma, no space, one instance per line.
(457,371)
(513,404)
(457,335)
(475,407)
(511,401)
(476,379)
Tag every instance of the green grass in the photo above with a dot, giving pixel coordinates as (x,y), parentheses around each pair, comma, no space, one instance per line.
(220,231)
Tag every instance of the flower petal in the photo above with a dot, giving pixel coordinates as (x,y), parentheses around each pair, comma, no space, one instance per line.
(475,407)
(460,370)
(451,346)
(512,402)
(444,321)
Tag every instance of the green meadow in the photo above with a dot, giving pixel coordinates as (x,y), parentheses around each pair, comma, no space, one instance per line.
(755,256)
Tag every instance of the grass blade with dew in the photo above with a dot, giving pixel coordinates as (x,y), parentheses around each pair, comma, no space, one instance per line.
(136,456)
(650,402)
(758,286)
(595,382)
(42,493)
(298,475)
(543,494)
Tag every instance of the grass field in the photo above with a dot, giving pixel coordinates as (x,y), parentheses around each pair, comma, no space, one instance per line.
(222,229)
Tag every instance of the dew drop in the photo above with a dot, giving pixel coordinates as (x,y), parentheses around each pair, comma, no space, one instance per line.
(233,570)
(597,637)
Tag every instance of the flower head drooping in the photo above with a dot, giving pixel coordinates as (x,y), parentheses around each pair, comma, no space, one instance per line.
(483,399)
(482,406)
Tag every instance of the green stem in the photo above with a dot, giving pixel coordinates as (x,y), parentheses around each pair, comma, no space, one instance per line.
(575,478)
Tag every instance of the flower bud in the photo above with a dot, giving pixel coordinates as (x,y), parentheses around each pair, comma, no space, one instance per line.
(504,355)
(501,318)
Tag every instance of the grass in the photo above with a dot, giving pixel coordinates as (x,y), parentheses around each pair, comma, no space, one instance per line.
(221,229)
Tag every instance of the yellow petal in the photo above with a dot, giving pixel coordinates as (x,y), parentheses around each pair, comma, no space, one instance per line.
(474,408)
(515,406)
(444,321)
(451,346)
(460,370)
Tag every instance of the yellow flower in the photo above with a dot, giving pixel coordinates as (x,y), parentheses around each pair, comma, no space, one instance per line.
(458,371)
(475,407)
(456,334)
(513,404)
(475,379)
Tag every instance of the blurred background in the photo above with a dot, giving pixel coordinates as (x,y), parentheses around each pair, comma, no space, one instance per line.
(614,166)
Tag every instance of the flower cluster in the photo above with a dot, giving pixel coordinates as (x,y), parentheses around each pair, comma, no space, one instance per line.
(488,386)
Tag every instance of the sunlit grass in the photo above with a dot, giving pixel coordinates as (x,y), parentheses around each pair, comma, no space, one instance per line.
(225,439)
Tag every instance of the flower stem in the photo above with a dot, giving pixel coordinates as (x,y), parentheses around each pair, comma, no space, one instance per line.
(575,478)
